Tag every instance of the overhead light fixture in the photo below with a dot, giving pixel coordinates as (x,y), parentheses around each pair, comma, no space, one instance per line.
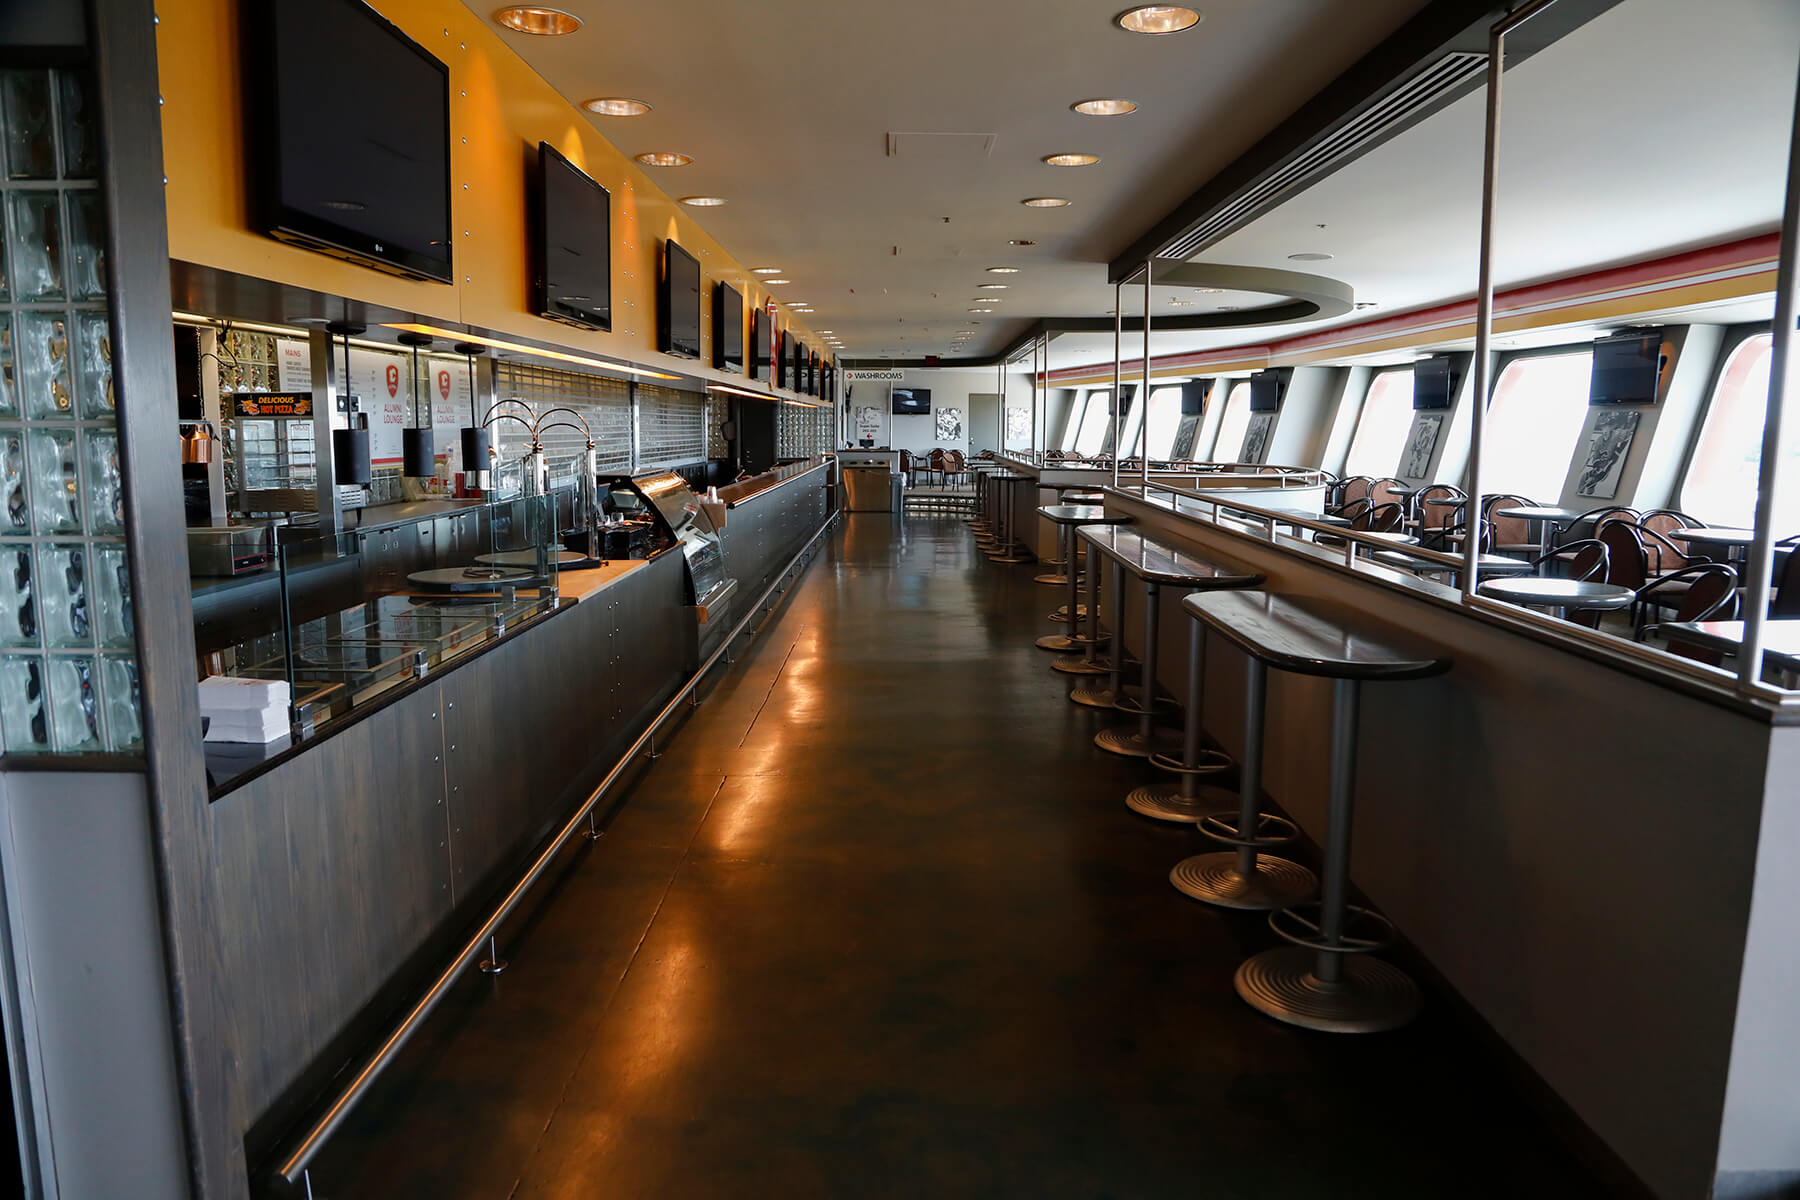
(617,106)
(538,351)
(738,391)
(1212,291)
(765,270)
(1071,160)
(1020,242)
(995,286)
(1309,256)
(1003,270)
(1157,19)
(663,158)
(1045,202)
(777,282)
(1103,108)
(703,201)
(980,310)
(530,18)
(823,332)
(1368,304)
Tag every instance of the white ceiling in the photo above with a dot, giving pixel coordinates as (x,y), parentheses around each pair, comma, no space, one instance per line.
(1658,126)
(786,105)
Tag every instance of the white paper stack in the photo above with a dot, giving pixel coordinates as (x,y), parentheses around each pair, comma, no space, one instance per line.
(244,710)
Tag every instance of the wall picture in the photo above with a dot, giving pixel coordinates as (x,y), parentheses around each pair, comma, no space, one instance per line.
(1184,439)
(1607,447)
(949,424)
(1256,437)
(1425,430)
(1018,426)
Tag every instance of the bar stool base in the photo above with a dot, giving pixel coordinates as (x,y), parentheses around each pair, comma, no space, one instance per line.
(1058,580)
(1093,697)
(1212,762)
(1061,615)
(1059,643)
(1080,666)
(1009,558)
(1129,741)
(1164,802)
(1131,700)
(1370,998)
(1214,878)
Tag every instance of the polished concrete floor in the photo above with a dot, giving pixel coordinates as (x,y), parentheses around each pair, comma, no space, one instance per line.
(878,924)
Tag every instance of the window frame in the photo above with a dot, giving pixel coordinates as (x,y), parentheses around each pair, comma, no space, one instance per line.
(1362,411)
(1232,383)
(1735,337)
(1501,363)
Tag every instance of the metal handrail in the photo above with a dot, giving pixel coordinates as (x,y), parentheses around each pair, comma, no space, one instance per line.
(1713,679)
(293,1168)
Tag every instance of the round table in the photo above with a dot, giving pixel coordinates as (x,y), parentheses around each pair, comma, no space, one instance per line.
(1544,517)
(1489,565)
(1558,595)
(1736,542)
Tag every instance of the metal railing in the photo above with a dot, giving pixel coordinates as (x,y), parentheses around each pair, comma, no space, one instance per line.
(1246,518)
(293,1168)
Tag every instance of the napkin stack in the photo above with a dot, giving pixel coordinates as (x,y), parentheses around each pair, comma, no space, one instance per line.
(244,710)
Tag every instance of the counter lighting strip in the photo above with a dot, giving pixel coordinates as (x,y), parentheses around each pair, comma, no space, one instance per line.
(522,348)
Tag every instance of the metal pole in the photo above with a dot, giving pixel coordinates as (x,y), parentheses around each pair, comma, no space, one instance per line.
(1144,405)
(1334,889)
(1760,566)
(1118,368)
(1147,678)
(1196,679)
(1256,685)
(1031,446)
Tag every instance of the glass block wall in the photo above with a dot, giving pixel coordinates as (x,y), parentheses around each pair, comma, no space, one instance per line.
(802,431)
(603,402)
(671,427)
(68,671)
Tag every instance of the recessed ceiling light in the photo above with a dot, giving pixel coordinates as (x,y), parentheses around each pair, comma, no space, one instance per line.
(617,106)
(776,282)
(1212,291)
(1368,304)
(529,18)
(765,270)
(993,286)
(1103,108)
(1045,202)
(825,331)
(1157,18)
(1003,270)
(978,310)
(703,201)
(1020,242)
(1181,304)
(663,158)
(1309,256)
(1071,160)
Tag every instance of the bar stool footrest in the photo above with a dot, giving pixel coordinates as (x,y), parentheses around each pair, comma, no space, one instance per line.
(1058,580)
(1271,830)
(1092,697)
(1080,666)
(1372,996)
(1164,802)
(1296,924)
(1211,762)
(1059,643)
(1129,741)
(1214,879)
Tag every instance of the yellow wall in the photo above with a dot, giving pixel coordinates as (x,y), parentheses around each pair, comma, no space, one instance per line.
(499,111)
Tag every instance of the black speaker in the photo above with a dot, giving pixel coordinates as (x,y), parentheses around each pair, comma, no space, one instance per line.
(418,453)
(475,449)
(350,452)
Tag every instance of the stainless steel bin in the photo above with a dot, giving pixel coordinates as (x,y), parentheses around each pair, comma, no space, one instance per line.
(869,488)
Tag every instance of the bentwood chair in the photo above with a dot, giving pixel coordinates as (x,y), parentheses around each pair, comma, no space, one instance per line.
(1709,594)
(909,467)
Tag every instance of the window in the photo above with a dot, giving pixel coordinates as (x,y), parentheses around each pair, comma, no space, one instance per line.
(1233,424)
(1093,424)
(1164,418)
(1539,406)
(1381,429)
(1072,421)
(1720,487)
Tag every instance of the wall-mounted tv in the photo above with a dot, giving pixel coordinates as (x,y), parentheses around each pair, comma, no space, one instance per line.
(1193,397)
(1627,368)
(779,355)
(728,329)
(796,364)
(678,302)
(1434,383)
(756,354)
(571,244)
(912,402)
(1265,391)
(360,171)
(815,374)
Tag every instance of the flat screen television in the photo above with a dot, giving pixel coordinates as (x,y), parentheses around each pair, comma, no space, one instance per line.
(678,302)
(756,354)
(1434,383)
(571,244)
(910,402)
(796,364)
(1265,392)
(728,329)
(1626,369)
(779,356)
(815,375)
(1193,397)
(359,170)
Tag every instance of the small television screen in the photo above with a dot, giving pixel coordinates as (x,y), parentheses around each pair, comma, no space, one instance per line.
(1265,392)
(757,354)
(1193,397)
(814,374)
(678,302)
(728,329)
(1626,369)
(780,357)
(796,364)
(360,172)
(572,244)
(912,401)
(1434,383)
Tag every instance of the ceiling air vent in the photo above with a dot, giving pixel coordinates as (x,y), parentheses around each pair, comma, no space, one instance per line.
(941,147)
(1417,98)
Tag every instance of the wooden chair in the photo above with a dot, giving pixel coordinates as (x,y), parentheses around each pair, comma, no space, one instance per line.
(1352,490)
(1436,520)
(937,465)
(1709,594)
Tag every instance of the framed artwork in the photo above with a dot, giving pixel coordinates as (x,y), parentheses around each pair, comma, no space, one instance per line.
(1425,430)
(1608,444)
(1256,437)
(949,424)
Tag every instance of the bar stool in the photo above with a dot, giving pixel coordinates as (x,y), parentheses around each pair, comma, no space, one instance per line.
(1068,518)
(1090,695)
(1325,980)
(1158,565)
(1062,491)
(1090,662)
(1009,550)
(997,491)
(1185,800)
